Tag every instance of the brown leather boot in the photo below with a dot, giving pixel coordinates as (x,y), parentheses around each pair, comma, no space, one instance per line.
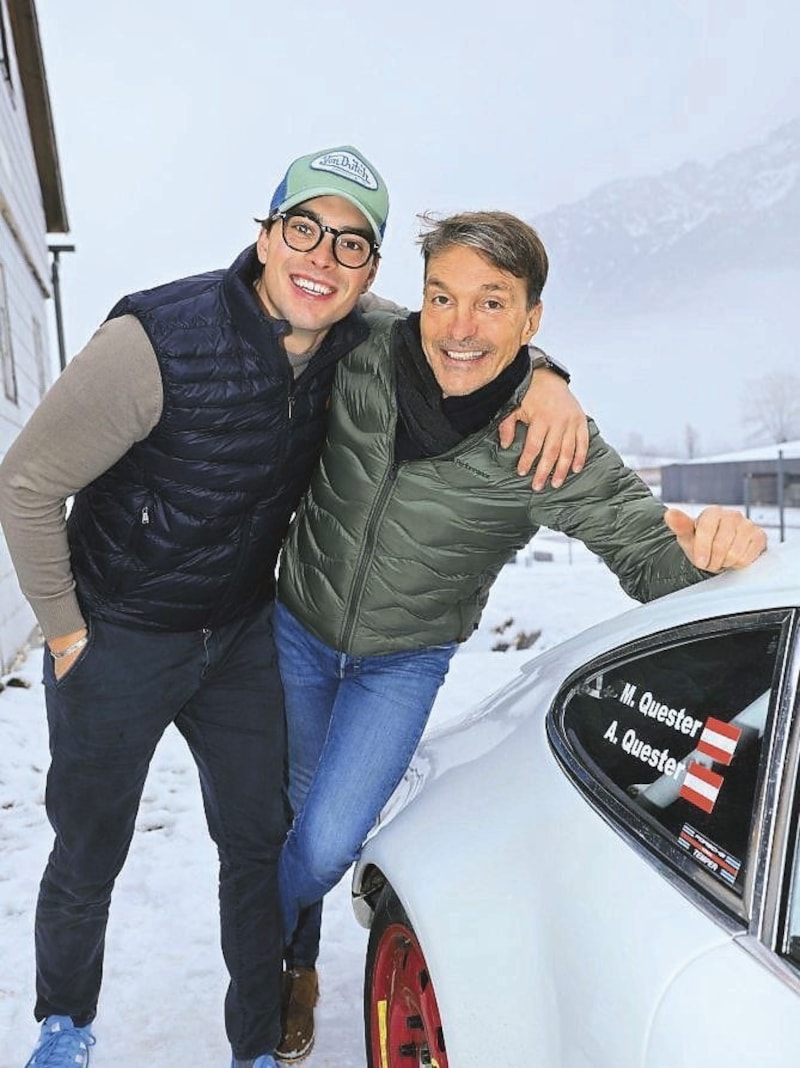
(300,993)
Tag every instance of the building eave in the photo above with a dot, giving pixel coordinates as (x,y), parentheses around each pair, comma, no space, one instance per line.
(30,62)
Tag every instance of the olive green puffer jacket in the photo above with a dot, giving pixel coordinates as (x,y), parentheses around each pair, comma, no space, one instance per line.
(384,557)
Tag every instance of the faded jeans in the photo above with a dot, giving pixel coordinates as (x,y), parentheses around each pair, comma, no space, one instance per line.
(353,725)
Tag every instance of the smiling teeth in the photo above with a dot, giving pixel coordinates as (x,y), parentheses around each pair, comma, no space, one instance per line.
(312,287)
(459,355)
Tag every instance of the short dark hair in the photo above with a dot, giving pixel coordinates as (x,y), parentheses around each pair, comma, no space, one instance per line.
(506,241)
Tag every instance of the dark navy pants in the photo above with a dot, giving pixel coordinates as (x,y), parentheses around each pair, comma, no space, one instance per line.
(222,691)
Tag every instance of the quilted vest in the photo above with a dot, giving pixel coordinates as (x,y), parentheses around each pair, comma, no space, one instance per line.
(183,532)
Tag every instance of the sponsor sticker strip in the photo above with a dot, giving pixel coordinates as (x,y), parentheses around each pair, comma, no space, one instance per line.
(709,854)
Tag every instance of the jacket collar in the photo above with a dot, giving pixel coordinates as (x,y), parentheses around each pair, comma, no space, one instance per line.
(264,333)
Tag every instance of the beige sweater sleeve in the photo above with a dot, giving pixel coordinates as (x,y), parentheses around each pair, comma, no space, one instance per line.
(108,397)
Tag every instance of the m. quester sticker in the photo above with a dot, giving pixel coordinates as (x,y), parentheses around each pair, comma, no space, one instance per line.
(717,741)
(652,708)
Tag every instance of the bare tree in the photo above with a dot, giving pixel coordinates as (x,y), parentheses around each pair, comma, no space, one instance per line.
(771,407)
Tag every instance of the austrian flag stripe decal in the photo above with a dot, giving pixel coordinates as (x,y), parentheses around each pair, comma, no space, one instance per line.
(701,786)
(718,740)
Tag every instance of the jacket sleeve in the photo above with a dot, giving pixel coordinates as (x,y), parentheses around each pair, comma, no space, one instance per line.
(610,509)
(107,398)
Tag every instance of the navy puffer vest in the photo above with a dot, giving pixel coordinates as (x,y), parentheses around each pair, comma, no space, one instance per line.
(183,532)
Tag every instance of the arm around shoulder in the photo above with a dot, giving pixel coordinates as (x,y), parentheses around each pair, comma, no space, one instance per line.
(557,436)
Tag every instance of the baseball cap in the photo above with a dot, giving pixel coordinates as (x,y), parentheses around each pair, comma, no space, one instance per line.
(340,172)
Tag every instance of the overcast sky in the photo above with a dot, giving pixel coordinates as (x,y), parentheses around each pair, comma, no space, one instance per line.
(176,119)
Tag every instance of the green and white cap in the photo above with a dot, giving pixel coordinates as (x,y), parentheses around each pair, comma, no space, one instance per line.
(340,172)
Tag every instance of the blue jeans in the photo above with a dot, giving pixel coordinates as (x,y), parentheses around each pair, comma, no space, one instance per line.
(353,724)
(222,691)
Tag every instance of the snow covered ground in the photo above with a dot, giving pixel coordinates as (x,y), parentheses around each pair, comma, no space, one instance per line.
(164,981)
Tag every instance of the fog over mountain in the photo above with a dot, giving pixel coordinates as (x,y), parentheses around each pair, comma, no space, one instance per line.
(668,294)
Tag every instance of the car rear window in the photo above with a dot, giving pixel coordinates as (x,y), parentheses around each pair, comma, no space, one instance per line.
(676,733)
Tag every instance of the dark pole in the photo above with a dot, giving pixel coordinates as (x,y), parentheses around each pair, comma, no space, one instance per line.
(780,493)
(57,250)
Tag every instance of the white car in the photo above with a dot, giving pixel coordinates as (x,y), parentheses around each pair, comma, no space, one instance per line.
(599,868)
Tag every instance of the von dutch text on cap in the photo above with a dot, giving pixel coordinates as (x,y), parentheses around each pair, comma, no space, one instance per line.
(348,165)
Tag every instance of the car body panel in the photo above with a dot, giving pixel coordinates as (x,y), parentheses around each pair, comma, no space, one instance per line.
(515,903)
(752,1019)
(552,937)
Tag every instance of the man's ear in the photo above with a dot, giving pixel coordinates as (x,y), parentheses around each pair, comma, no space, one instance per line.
(262,244)
(532,322)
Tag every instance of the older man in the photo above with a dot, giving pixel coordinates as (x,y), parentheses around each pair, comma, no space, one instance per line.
(409,518)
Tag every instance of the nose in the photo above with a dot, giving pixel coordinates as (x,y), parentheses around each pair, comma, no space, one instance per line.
(322,255)
(462,323)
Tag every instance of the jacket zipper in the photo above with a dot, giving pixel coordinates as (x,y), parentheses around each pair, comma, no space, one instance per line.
(377,511)
(379,506)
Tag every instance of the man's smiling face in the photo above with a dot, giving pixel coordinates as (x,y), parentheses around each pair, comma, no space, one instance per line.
(474,319)
(310,289)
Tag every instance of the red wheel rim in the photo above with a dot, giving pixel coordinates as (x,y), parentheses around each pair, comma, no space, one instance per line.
(405,1022)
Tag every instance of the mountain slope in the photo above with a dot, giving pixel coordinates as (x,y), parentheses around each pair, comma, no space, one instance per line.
(668,295)
(652,237)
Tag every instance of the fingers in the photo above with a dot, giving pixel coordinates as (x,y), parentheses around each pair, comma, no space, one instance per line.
(737,542)
(508,427)
(681,524)
(724,539)
(557,438)
(555,461)
(556,448)
(710,544)
(535,441)
(550,446)
(581,445)
(748,544)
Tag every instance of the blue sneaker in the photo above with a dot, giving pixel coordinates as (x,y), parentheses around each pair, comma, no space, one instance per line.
(264,1061)
(62,1045)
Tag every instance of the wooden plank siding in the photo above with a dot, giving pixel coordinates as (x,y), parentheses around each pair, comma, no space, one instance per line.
(31,206)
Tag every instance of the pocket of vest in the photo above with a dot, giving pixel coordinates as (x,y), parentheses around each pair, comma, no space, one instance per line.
(141,525)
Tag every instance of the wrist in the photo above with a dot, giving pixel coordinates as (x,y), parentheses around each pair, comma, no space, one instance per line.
(67,644)
(541,361)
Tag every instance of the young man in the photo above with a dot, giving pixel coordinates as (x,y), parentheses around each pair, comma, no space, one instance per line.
(186,431)
(410,516)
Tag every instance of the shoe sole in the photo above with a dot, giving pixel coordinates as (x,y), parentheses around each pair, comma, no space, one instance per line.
(296,1056)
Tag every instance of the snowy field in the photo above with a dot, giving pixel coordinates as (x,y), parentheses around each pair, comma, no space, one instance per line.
(164,981)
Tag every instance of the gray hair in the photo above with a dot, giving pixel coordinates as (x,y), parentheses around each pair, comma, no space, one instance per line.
(506,241)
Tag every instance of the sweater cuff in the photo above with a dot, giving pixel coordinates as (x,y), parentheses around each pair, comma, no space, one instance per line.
(58,615)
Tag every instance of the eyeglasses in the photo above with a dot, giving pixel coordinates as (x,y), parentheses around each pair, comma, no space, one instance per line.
(303,232)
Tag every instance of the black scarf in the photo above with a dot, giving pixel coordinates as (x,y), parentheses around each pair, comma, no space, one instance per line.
(429,423)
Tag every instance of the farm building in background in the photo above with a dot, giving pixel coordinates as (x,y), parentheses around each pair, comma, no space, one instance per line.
(766,475)
(31,207)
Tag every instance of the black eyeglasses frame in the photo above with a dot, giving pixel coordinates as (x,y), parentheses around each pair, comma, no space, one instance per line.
(302,213)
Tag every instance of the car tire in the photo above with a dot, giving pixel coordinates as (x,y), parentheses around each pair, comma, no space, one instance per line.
(403,1027)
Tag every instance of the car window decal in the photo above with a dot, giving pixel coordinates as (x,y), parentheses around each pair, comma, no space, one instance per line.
(718,861)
